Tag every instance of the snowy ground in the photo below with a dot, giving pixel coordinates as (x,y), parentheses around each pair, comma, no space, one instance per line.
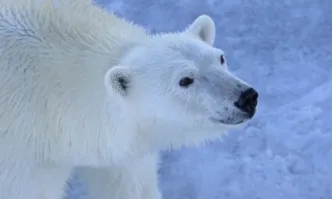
(283,48)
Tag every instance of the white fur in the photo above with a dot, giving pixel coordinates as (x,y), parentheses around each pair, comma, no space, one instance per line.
(204,28)
(62,107)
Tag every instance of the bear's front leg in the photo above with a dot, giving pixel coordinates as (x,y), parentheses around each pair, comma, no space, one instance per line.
(19,181)
(135,180)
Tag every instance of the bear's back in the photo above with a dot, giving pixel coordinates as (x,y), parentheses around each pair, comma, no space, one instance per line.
(53,58)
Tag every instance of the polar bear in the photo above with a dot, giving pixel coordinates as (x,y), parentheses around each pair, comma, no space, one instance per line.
(83,89)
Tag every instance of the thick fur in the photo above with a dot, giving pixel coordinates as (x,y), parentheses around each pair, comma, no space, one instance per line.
(62,105)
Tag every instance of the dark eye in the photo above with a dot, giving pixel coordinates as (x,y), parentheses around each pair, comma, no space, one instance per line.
(186,81)
(222,59)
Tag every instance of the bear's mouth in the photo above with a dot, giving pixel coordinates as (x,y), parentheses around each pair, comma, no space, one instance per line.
(228,121)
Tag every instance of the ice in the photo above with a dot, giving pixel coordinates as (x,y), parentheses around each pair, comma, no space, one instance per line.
(284,49)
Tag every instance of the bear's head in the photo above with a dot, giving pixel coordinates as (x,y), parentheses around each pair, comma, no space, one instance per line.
(178,88)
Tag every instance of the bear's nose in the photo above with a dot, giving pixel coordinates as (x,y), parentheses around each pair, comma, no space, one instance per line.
(247,101)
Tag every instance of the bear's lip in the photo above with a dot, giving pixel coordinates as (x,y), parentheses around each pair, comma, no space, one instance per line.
(229,122)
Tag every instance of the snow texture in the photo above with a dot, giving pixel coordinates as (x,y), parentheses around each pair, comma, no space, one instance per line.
(283,48)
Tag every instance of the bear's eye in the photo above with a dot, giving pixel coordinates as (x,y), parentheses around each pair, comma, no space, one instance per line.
(186,81)
(222,59)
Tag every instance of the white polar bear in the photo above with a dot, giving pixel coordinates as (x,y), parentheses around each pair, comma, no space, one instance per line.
(82,88)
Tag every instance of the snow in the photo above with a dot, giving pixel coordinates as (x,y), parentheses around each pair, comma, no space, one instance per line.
(284,49)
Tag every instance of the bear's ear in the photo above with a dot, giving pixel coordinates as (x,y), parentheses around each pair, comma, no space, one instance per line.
(117,80)
(204,28)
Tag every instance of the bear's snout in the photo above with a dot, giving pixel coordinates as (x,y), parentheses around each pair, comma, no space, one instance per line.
(247,101)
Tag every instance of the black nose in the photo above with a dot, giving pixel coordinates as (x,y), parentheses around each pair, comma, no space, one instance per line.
(247,101)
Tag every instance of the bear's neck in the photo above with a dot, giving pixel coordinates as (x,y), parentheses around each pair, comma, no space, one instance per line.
(97,117)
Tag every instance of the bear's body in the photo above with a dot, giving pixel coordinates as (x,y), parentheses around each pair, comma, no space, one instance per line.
(82,88)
